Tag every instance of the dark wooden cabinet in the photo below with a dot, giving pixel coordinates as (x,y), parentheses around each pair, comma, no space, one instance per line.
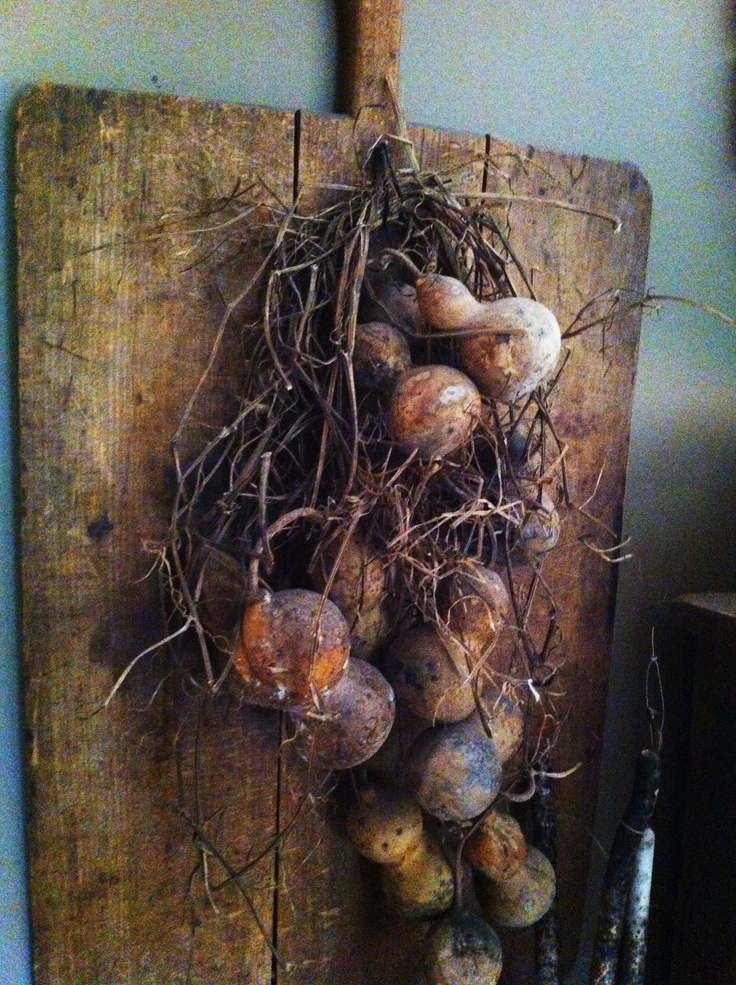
(704,941)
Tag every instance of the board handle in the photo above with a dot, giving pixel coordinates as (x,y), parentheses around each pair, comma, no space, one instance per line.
(369,44)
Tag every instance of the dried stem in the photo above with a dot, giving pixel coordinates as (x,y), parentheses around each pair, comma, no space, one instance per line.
(554,203)
(207,846)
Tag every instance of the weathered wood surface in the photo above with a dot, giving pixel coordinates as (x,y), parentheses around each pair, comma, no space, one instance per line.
(115,327)
(369,51)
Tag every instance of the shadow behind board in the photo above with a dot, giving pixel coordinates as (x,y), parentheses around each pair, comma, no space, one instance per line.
(115,329)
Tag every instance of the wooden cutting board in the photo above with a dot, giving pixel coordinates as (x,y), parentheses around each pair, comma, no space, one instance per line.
(115,327)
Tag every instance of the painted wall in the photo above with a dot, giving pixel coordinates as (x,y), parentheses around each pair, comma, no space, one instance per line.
(646,82)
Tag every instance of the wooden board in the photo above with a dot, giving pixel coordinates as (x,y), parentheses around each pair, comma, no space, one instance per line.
(115,326)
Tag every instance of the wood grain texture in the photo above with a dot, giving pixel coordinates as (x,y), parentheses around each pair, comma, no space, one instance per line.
(114,331)
(369,46)
(116,324)
(369,50)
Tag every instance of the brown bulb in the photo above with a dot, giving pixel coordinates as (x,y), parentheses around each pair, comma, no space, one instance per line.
(352,723)
(425,679)
(380,355)
(433,411)
(522,898)
(445,303)
(513,346)
(292,646)
(497,847)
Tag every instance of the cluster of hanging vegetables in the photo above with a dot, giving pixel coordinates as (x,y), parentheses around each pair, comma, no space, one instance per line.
(361,547)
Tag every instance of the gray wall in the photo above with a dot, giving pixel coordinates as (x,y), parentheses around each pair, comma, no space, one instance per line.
(646,82)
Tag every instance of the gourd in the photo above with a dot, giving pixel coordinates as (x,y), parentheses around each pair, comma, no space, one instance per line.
(387,828)
(453,770)
(352,723)
(383,824)
(425,679)
(524,450)
(353,571)
(513,345)
(380,355)
(540,528)
(292,646)
(421,884)
(220,586)
(432,411)
(496,847)
(508,346)
(473,606)
(357,585)
(369,630)
(537,529)
(462,949)
(387,298)
(522,898)
(445,303)
(504,719)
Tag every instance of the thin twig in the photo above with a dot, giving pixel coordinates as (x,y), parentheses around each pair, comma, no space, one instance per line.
(208,846)
(554,203)
(690,303)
